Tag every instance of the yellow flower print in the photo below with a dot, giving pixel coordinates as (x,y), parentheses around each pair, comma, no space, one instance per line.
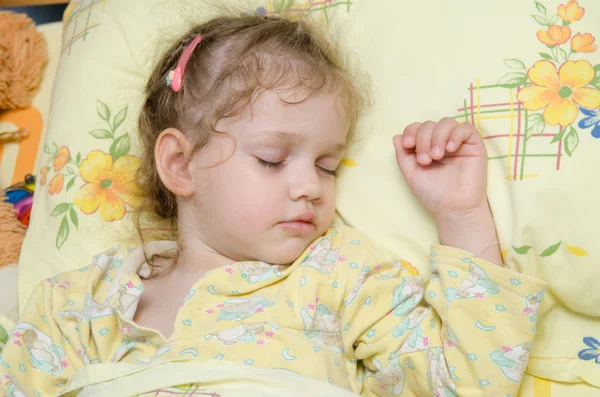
(583,43)
(61,159)
(110,185)
(559,92)
(571,12)
(56,184)
(555,35)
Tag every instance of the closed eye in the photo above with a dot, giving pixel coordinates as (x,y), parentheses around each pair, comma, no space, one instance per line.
(328,172)
(278,164)
(268,164)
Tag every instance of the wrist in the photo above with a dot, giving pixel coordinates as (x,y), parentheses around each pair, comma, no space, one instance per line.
(464,218)
(472,231)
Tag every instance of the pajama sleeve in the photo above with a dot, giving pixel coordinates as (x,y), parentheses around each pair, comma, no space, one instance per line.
(37,360)
(469,333)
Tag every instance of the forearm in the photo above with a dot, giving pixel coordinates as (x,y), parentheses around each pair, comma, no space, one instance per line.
(473,231)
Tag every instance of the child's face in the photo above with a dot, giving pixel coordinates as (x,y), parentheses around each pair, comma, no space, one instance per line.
(276,193)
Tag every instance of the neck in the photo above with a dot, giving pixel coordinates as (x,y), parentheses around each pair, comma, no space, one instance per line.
(197,255)
(196,258)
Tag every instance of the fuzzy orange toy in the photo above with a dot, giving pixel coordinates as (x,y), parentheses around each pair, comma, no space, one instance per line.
(23,55)
(12,233)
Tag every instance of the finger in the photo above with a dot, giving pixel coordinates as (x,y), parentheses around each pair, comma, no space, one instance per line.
(463,133)
(440,137)
(405,157)
(424,135)
(409,135)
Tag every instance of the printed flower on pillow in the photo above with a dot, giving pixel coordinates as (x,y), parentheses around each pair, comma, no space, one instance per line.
(109,185)
(559,92)
(592,353)
(555,88)
(106,180)
(592,120)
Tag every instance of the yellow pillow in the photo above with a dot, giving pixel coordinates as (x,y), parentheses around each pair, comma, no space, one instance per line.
(497,65)
(468,59)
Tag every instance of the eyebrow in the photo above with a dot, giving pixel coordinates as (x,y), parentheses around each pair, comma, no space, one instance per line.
(291,136)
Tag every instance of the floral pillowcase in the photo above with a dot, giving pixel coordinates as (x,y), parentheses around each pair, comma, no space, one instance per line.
(106,178)
(527,75)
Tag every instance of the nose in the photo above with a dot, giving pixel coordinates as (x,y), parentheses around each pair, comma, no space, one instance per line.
(306,184)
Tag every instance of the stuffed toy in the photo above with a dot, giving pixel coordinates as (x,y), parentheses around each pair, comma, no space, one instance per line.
(23,55)
(12,232)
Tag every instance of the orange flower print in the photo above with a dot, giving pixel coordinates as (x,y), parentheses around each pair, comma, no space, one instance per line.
(56,184)
(110,185)
(61,159)
(44,172)
(555,35)
(560,92)
(570,12)
(583,43)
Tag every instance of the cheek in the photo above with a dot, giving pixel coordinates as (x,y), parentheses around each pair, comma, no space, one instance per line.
(251,196)
(329,201)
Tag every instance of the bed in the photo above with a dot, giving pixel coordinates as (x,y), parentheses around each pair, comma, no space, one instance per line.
(470,60)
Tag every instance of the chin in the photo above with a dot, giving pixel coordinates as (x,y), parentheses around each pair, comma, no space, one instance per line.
(282,248)
(283,258)
(287,253)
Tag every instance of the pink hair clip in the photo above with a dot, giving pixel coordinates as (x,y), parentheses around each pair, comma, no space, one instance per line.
(175,77)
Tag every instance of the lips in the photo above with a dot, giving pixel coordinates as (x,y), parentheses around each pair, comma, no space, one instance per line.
(303,223)
(308,217)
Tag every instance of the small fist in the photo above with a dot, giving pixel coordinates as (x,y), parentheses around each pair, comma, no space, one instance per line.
(445,165)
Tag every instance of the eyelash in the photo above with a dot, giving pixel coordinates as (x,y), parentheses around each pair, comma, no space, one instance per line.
(277,165)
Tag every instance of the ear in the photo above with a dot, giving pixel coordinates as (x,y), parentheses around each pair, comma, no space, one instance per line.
(172,155)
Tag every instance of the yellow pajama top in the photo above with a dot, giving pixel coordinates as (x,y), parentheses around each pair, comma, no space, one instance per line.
(342,313)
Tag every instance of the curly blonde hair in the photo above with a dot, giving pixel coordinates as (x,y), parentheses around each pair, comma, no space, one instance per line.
(238,58)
